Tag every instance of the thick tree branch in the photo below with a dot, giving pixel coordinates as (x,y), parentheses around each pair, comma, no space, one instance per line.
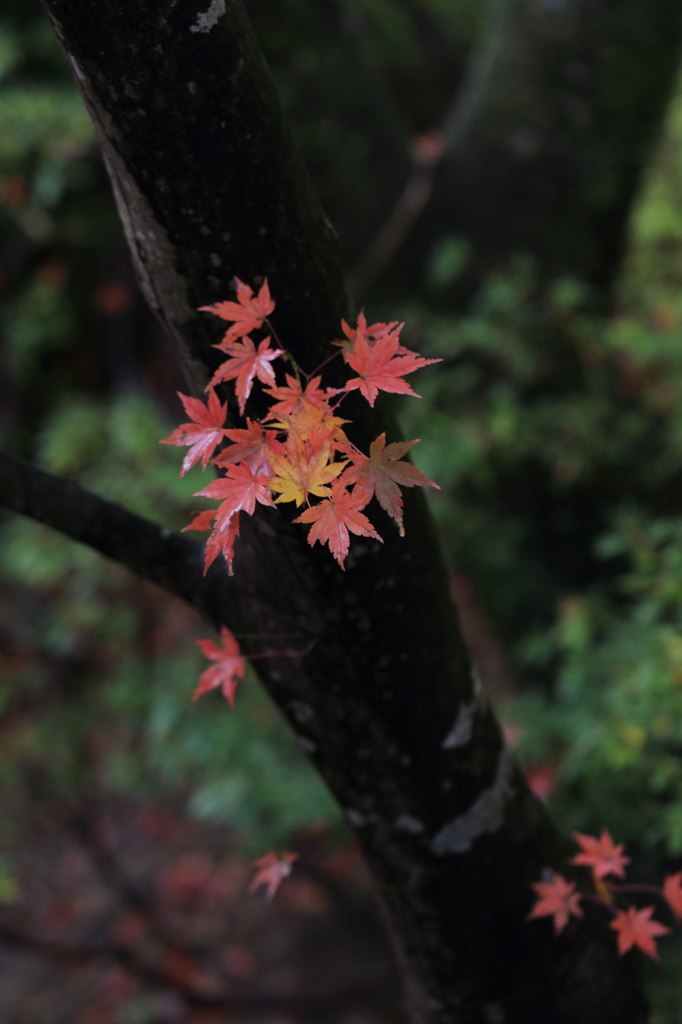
(151,551)
(209,185)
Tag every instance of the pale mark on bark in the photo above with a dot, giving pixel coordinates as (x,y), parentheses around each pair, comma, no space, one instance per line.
(406,823)
(356,820)
(209,18)
(462,730)
(302,712)
(485,815)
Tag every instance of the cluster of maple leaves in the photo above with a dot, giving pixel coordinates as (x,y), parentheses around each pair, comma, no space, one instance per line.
(298,451)
(560,899)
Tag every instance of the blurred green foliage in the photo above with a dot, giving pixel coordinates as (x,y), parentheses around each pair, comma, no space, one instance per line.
(109,665)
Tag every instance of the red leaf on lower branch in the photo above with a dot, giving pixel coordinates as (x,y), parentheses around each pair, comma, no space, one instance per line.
(635,928)
(227,671)
(271,871)
(602,855)
(558,900)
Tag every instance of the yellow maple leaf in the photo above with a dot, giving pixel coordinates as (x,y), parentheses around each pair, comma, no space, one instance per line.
(303,471)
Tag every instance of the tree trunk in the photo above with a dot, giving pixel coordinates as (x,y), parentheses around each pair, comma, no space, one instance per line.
(209,185)
(349,130)
(548,139)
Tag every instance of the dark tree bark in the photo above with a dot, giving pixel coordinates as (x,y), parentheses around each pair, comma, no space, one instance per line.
(550,134)
(209,185)
(348,128)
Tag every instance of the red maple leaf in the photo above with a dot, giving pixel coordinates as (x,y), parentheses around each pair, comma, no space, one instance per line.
(202,521)
(333,517)
(204,434)
(602,855)
(227,671)
(381,472)
(248,313)
(252,447)
(380,368)
(558,900)
(246,362)
(272,869)
(635,928)
(238,491)
(371,333)
(222,541)
(672,890)
(292,398)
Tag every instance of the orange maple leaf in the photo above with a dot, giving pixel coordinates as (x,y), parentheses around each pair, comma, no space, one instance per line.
(635,928)
(247,312)
(294,399)
(272,869)
(380,368)
(333,517)
(252,447)
(227,671)
(558,900)
(204,434)
(672,891)
(381,472)
(245,363)
(602,855)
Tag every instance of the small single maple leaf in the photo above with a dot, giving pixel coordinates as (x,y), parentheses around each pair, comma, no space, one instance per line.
(635,928)
(602,855)
(247,312)
(380,368)
(204,434)
(252,447)
(238,491)
(293,398)
(558,900)
(333,517)
(271,871)
(227,671)
(381,472)
(672,891)
(245,363)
